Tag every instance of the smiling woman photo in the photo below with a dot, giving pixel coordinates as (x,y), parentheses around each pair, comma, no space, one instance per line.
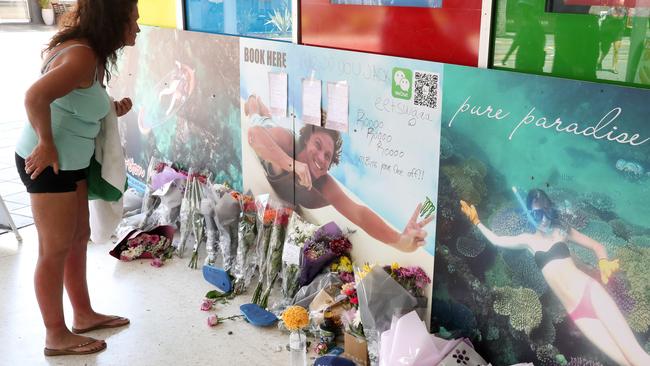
(309,183)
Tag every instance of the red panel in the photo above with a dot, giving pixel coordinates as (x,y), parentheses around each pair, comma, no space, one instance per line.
(449,34)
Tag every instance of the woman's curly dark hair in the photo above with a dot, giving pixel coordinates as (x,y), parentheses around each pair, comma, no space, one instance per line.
(102,23)
(306,132)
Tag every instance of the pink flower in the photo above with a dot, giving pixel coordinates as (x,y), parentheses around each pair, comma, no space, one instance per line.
(213,320)
(207,305)
(354,300)
(348,289)
(157,262)
(133,243)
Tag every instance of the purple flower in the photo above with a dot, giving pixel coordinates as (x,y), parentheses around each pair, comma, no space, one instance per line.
(346,277)
(207,305)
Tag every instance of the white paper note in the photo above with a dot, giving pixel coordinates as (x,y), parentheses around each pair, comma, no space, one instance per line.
(291,253)
(337,106)
(311,97)
(278,94)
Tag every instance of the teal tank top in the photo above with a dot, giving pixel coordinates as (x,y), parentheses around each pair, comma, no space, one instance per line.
(75,123)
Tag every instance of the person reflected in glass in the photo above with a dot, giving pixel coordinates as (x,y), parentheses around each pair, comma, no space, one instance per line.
(529,41)
(576,41)
(611,34)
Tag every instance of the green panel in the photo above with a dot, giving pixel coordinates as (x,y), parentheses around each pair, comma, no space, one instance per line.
(594,43)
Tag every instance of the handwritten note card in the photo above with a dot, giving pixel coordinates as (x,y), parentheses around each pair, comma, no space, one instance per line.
(278,94)
(311,96)
(338,95)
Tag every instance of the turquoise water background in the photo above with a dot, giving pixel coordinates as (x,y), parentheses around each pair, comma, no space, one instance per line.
(536,157)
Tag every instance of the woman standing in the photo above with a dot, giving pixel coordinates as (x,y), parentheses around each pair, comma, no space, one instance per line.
(587,303)
(64,108)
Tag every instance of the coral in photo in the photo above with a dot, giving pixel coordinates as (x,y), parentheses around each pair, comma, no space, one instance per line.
(525,271)
(600,201)
(470,247)
(620,229)
(634,263)
(508,221)
(467,180)
(581,361)
(520,305)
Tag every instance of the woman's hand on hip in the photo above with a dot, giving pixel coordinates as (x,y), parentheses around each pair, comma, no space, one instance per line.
(43,155)
(123,106)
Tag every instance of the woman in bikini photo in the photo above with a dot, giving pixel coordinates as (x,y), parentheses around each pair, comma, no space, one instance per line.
(586,301)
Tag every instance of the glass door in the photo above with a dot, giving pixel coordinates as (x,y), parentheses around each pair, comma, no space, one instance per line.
(14,11)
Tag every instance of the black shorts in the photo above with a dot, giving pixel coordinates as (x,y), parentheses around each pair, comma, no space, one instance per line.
(47,181)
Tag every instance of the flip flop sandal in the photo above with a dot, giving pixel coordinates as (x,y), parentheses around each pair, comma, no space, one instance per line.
(104,325)
(217,277)
(258,316)
(75,350)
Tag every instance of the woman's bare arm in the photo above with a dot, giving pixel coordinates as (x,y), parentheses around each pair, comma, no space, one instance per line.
(411,239)
(74,70)
(587,242)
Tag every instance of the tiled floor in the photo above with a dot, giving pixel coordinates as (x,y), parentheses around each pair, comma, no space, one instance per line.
(167,326)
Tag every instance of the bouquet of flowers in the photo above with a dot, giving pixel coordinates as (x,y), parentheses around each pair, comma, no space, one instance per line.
(413,279)
(298,232)
(274,254)
(149,201)
(186,213)
(351,320)
(208,204)
(265,218)
(227,213)
(327,243)
(192,222)
(146,246)
(343,265)
(162,199)
(138,244)
(197,220)
(380,298)
(246,234)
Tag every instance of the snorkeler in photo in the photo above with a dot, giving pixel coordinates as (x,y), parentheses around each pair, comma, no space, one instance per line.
(316,150)
(587,303)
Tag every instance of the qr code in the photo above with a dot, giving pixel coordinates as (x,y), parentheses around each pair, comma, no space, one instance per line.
(426,89)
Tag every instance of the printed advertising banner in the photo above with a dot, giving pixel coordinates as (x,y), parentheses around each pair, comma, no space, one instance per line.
(545,260)
(184,88)
(537,190)
(374,161)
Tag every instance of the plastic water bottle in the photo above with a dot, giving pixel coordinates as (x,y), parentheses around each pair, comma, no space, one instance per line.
(298,348)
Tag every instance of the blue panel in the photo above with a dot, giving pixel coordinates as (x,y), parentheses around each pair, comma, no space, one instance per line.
(251,18)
